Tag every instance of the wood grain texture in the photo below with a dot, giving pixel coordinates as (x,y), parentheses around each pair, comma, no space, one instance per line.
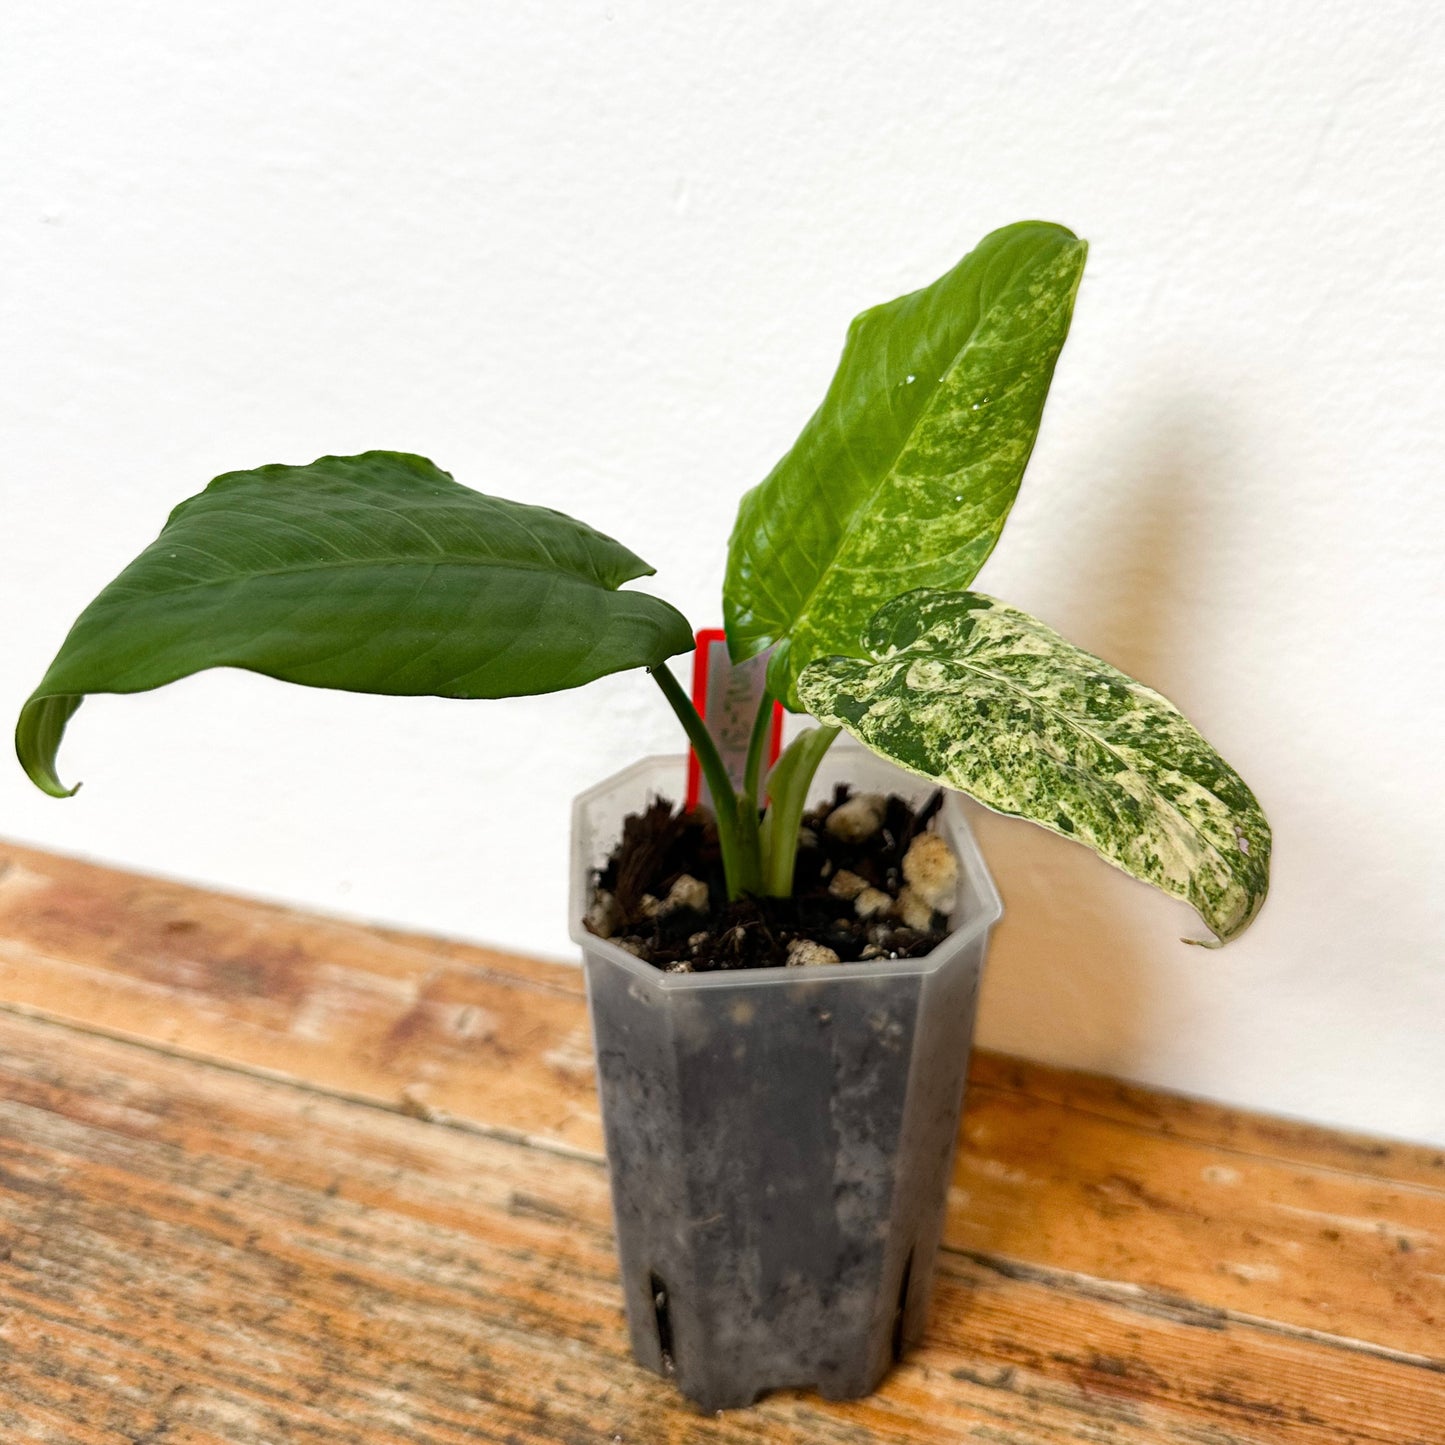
(1175,1116)
(193,1254)
(269,1177)
(412,1022)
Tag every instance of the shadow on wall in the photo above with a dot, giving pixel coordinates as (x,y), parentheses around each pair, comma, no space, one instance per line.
(1073,975)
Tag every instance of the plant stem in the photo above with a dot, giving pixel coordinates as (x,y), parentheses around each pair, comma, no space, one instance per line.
(749,848)
(737,833)
(749,825)
(758,746)
(788,783)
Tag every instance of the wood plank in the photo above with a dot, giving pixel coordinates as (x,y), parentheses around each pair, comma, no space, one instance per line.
(1322,1249)
(414,1022)
(1178,1116)
(1235,1211)
(190,1254)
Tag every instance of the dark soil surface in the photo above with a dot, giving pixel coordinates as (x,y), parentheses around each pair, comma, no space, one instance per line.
(683,934)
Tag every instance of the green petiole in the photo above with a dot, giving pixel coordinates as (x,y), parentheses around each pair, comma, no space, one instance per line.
(758,856)
(737,825)
(758,746)
(788,785)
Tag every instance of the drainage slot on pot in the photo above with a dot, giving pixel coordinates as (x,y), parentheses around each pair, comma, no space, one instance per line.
(660,1313)
(902,1306)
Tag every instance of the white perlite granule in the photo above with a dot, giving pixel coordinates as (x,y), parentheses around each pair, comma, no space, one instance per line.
(803,952)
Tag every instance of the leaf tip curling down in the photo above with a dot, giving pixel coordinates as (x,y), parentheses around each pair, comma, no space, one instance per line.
(37,740)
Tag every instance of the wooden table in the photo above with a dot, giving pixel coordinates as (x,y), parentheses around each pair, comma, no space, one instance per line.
(266,1177)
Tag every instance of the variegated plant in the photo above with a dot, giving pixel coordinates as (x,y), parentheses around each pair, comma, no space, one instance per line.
(850,562)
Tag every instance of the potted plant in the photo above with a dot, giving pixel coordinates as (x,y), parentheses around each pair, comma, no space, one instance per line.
(779,1137)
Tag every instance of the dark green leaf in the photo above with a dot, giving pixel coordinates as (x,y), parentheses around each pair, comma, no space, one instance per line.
(984,698)
(376,573)
(904,476)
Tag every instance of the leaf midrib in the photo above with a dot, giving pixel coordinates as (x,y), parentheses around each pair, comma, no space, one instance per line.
(803,611)
(431,563)
(854,521)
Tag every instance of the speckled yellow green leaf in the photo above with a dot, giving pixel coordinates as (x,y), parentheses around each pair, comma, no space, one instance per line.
(905,474)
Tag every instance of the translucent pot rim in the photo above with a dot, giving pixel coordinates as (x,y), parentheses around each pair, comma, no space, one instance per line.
(987,909)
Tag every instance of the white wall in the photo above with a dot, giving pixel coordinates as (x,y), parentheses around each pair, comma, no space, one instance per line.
(601,256)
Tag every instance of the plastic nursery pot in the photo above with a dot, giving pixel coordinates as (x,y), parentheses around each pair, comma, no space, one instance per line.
(780,1140)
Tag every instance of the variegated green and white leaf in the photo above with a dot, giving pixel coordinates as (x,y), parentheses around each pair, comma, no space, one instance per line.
(905,474)
(977,695)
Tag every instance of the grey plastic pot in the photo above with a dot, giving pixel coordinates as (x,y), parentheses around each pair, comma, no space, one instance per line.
(780,1140)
